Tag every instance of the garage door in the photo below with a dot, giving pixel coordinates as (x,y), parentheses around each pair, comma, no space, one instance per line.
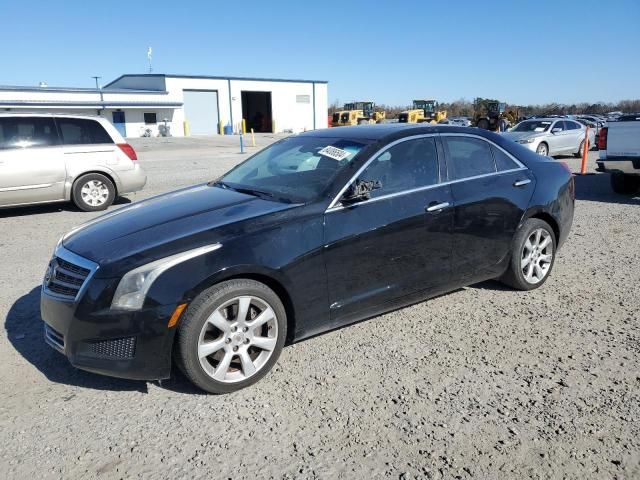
(201,111)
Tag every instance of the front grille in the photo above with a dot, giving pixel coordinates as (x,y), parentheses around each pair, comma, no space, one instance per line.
(121,348)
(54,338)
(67,274)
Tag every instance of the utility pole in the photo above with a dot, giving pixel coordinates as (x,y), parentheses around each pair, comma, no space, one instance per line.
(99,88)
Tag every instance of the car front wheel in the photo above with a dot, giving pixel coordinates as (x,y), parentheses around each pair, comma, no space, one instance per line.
(93,192)
(231,335)
(542,149)
(532,255)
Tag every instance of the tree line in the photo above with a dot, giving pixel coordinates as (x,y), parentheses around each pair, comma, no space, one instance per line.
(464,108)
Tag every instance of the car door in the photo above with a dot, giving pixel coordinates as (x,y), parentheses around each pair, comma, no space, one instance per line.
(491,191)
(557,138)
(396,243)
(32,168)
(575,134)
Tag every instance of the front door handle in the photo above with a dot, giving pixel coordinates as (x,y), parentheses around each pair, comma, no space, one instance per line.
(522,183)
(436,207)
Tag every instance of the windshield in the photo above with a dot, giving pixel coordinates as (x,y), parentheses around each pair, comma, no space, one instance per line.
(532,126)
(296,169)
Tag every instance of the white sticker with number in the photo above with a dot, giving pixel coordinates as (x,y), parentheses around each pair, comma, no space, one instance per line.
(334,153)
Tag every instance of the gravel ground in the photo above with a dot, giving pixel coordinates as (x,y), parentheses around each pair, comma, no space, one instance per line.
(485,382)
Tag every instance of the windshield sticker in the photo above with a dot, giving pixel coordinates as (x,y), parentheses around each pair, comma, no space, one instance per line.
(336,154)
(539,129)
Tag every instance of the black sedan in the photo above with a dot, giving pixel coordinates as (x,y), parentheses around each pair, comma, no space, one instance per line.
(316,231)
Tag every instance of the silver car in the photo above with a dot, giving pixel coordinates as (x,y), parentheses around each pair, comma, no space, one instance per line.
(551,136)
(56,158)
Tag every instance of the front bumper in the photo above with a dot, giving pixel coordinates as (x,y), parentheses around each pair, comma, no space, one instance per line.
(629,166)
(133,345)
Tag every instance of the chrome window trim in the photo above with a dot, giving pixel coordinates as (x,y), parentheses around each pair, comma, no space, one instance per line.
(335,206)
(374,157)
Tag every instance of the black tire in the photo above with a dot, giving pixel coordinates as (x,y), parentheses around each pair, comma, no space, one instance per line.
(514,276)
(106,192)
(578,154)
(192,323)
(624,184)
(543,149)
(483,123)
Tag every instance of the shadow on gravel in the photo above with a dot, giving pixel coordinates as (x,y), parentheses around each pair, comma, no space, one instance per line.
(51,208)
(491,285)
(597,188)
(24,330)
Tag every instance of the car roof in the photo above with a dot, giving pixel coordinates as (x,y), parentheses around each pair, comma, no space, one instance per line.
(385,131)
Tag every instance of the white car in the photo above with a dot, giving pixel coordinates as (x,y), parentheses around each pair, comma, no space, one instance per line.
(57,157)
(551,136)
(619,146)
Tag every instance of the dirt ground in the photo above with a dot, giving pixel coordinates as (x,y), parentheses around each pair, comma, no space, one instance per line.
(485,382)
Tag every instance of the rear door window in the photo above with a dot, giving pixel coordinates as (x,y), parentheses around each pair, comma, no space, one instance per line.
(80,131)
(468,157)
(503,161)
(27,132)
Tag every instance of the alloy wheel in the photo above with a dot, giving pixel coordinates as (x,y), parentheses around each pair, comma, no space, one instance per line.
(542,150)
(238,339)
(537,255)
(94,193)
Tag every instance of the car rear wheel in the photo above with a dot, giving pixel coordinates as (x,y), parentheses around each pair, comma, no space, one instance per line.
(542,149)
(624,184)
(532,255)
(93,192)
(231,335)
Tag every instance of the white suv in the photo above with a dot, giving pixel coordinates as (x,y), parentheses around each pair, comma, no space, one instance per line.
(57,157)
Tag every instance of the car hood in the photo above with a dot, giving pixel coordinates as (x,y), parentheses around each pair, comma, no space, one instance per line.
(179,221)
(515,136)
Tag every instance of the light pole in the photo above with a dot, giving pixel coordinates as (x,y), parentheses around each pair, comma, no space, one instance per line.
(99,90)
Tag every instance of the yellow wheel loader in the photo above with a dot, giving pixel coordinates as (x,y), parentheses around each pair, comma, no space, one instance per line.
(423,111)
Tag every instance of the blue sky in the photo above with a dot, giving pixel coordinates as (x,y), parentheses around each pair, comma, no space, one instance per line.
(391,52)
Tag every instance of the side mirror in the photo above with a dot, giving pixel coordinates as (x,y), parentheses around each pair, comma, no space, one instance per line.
(359,191)
(556,130)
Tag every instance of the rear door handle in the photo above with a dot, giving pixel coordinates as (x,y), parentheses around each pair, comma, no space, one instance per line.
(522,183)
(436,207)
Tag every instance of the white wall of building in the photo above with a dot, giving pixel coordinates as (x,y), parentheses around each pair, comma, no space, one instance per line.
(292,102)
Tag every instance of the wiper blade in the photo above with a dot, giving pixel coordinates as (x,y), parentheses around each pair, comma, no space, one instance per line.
(250,191)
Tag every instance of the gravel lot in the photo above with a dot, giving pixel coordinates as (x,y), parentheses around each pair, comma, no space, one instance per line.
(485,382)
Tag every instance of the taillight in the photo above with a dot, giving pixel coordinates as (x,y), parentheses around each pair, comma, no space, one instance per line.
(128,151)
(602,138)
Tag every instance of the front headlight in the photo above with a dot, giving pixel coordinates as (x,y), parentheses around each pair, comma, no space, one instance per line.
(526,140)
(134,286)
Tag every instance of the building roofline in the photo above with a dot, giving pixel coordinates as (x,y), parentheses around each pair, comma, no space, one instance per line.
(211,77)
(21,88)
(88,104)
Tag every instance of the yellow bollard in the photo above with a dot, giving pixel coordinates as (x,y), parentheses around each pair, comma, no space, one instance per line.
(221,128)
(244,127)
(185,127)
(253,139)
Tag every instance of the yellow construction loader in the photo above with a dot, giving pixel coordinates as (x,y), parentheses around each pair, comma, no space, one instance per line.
(361,113)
(423,111)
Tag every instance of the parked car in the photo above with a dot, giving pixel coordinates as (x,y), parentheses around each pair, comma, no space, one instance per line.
(550,136)
(593,126)
(619,146)
(317,231)
(461,121)
(54,158)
